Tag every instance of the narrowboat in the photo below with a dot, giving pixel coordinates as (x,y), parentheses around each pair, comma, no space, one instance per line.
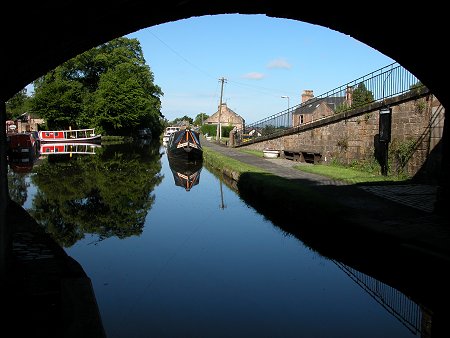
(185,144)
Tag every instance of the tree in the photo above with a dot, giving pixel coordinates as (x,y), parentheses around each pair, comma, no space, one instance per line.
(109,87)
(361,96)
(17,105)
(198,121)
(58,100)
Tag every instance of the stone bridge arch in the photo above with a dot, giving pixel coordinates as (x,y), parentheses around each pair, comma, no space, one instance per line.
(37,36)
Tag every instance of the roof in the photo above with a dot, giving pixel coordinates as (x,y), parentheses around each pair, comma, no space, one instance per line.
(310,106)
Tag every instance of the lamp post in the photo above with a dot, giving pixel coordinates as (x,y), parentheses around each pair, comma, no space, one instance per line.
(289,106)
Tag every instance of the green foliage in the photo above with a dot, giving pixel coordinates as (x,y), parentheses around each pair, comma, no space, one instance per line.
(17,105)
(109,87)
(361,96)
(342,107)
(226,130)
(58,101)
(400,153)
(198,121)
(210,129)
(269,129)
(342,143)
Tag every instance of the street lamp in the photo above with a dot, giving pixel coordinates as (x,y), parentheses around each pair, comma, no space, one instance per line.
(289,106)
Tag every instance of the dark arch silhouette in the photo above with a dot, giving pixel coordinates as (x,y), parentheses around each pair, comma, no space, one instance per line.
(37,36)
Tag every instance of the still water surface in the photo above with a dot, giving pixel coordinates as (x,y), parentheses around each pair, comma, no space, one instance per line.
(166,261)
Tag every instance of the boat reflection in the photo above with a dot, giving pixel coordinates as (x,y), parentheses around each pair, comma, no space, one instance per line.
(22,163)
(186,173)
(68,148)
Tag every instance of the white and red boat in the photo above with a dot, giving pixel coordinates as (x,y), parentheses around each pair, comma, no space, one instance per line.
(71,135)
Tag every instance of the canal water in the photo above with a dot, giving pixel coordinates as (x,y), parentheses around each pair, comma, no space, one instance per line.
(169,260)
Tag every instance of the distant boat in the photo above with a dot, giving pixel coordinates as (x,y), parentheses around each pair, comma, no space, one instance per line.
(185,144)
(167,132)
(71,135)
(22,143)
(186,174)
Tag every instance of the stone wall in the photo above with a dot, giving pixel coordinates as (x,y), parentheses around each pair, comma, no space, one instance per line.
(416,131)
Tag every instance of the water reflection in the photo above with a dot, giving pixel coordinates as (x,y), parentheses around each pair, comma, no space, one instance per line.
(109,194)
(186,174)
(228,272)
(410,314)
(68,148)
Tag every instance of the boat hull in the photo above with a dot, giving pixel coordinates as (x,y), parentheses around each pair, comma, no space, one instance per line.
(185,144)
(69,136)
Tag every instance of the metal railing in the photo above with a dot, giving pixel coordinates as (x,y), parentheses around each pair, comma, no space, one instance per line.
(386,82)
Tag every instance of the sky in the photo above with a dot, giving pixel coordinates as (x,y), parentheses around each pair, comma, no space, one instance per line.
(261,59)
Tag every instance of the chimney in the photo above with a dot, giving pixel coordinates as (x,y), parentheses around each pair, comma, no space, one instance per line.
(307,95)
(349,96)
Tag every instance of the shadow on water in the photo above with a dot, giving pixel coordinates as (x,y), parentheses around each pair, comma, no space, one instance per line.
(379,264)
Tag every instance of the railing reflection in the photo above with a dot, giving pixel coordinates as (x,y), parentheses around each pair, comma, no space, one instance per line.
(409,313)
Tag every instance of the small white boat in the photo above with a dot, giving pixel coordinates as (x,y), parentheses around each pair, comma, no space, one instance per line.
(169,131)
(271,153)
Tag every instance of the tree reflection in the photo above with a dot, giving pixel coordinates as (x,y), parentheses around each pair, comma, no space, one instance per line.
(17,186)
(108,194)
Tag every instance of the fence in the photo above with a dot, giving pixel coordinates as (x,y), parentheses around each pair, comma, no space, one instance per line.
(386,82)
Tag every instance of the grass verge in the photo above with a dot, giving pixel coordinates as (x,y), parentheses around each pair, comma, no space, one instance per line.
(264,190)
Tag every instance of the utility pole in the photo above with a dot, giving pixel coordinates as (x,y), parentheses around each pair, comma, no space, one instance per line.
(219,127)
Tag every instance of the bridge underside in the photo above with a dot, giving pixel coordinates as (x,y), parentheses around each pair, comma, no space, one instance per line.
(39,35)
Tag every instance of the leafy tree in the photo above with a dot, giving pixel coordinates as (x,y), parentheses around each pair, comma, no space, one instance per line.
(17,105)
(361,95)
(269,129)
(109,87)
(58,100)
(198,121)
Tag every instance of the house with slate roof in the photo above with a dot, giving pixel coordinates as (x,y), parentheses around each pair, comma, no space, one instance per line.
(313,109)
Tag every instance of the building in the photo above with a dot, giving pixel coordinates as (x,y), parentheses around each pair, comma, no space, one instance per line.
(312,109)
(227,118)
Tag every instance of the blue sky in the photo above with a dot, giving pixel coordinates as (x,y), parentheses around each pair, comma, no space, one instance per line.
(261,58)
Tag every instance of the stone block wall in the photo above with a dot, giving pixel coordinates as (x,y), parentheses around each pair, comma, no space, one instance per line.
(416,130)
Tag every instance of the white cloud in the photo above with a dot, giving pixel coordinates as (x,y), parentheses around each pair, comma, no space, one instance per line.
(279,63)
(254,76)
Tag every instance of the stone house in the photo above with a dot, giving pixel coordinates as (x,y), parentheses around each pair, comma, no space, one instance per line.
(227,118)
(312,109)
